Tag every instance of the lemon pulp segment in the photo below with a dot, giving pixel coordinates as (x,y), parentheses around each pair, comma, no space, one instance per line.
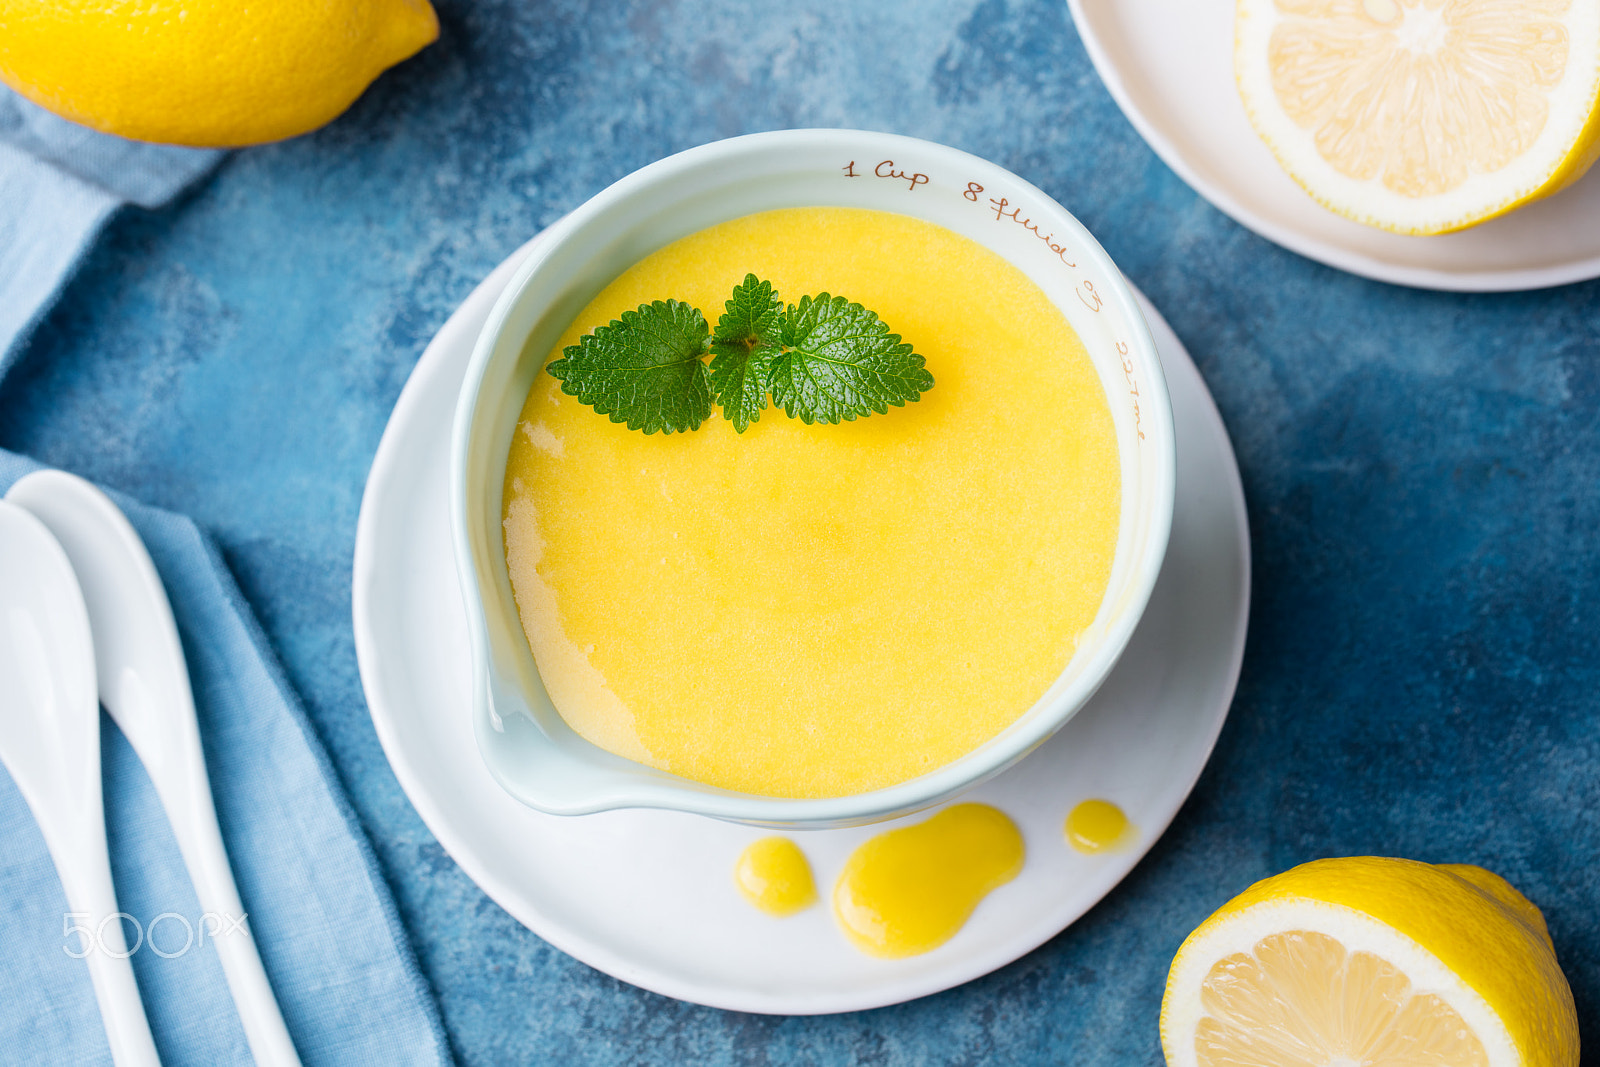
(1299,999)
(812,611)
(907,891)
(1424,116)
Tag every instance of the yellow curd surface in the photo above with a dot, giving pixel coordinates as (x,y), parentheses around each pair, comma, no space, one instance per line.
(907,891)
(1097,826)
(775,876)
(814,611)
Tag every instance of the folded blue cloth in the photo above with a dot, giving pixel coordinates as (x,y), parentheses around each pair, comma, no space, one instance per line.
(318,907)
(316,903)
(59,183)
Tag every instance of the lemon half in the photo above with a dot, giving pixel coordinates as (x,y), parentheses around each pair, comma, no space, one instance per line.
(1423,116)
(1371,961)
(208,73)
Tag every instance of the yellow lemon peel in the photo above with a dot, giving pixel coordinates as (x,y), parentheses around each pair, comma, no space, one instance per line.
(205,73)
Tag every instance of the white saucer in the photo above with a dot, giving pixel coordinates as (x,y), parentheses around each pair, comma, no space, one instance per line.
(648,896)
(1169,65)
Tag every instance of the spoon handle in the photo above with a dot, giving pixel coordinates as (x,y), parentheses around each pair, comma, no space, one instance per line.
(122,1010)
(86,876)
(194,823)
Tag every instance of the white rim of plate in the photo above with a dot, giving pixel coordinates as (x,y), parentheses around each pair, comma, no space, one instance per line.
(459,333)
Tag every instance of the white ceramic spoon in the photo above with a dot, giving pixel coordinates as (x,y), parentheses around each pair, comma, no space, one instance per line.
(50,742)
(144,684)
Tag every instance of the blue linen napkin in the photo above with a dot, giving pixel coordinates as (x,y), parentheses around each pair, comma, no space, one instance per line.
(316,903)
(59,183)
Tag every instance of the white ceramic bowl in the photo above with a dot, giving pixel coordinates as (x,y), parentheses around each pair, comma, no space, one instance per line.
(528,747)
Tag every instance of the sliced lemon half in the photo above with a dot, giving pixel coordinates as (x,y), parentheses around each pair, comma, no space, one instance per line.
(1423,116)
(1371,962)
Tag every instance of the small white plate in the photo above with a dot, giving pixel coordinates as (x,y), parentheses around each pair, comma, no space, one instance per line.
(1169,66)
(648,896)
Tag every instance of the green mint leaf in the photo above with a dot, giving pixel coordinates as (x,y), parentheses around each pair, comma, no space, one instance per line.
(644,369)
(742,349)
(752,313)
(837,362)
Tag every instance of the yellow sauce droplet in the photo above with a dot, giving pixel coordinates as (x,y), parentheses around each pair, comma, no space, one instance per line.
(908,891)
(1097,826)
(774,876)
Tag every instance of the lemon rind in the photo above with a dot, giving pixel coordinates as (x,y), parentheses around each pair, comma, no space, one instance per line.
(231,77)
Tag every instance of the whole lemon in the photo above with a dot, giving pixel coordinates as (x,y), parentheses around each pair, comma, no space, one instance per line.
(207,73)
(1370,960)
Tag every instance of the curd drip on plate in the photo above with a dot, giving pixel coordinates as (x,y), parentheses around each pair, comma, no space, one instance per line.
(907,891)
(1097,826)
(816,611)
(775,876)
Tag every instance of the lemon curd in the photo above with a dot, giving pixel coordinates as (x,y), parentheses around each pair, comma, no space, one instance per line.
(774,876)
(1097,826)
(815,611)
(908,891)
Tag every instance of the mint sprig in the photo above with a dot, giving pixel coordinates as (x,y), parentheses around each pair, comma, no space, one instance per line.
(822,360)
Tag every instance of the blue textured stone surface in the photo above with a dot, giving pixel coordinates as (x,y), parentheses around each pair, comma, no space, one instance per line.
(1422,469)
